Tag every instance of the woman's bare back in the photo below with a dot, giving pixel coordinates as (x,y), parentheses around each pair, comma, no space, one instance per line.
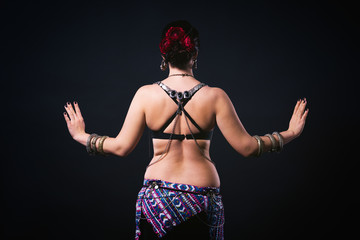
(183,162)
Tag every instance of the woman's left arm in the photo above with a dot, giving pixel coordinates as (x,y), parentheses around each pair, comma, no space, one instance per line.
(128,136)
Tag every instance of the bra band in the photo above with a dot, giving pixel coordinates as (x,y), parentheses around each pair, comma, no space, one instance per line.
(201,135)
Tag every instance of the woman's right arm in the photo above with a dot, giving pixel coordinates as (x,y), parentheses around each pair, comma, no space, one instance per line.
(237,136)
(129,134)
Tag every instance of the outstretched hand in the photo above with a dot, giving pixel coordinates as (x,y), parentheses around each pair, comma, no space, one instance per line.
(297,121)
(74,120)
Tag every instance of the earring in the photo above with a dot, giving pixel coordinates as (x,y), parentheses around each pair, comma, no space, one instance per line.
(195,64)
(163,65)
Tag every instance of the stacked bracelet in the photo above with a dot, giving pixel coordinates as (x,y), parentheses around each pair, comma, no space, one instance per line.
(91,144)
(276,145)
(281,141)
(101,143)
(273,142)
(88,148)
(260,145)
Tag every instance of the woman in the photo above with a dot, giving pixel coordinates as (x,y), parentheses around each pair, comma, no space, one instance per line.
(181,188)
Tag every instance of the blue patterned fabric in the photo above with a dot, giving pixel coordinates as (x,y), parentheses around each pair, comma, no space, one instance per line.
(166,205)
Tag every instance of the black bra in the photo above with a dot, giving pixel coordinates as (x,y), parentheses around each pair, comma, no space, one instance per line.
(181,99)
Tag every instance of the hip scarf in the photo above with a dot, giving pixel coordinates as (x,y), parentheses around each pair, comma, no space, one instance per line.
(165,205)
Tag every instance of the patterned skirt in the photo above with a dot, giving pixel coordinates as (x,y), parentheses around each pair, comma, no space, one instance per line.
(165,205)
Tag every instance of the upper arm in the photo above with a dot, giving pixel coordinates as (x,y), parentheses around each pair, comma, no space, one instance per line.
(134,124)
(231,126)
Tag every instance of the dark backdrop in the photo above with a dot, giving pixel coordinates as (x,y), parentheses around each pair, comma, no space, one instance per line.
(264,55)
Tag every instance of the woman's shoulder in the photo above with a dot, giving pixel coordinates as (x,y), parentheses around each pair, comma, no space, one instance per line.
(215,92)
(147,92)
(146,89)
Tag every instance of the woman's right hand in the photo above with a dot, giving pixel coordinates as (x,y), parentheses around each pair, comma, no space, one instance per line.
(297,121)
(74,120)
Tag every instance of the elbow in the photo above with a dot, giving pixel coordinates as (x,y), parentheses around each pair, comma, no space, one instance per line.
(118,148)
(247,150)
(244,151)
(123,151)
(247,153)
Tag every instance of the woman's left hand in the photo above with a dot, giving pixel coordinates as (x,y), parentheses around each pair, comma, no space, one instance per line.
(298,119)
(74,120)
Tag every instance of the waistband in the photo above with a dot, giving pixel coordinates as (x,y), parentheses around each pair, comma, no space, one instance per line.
(156,183)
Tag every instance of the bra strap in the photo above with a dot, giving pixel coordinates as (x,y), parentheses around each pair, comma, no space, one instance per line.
(180,96)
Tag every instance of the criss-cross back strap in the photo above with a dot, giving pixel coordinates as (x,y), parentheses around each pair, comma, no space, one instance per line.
(183,98)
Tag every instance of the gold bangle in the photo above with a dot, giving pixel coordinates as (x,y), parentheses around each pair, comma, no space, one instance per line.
(88,143)
(93,144)
(101,143)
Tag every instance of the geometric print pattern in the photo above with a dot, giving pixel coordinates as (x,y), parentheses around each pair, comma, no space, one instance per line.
(165,205)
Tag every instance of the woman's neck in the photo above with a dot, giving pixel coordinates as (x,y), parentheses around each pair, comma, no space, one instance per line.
(173,71)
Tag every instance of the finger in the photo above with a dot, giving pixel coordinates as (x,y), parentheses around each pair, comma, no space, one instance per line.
(302,107)
(67,119)
(305,114)
(70,110)
(297,106)
(77,110)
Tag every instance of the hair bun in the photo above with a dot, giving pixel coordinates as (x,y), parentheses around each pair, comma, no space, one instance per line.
(179,43)
(176,40)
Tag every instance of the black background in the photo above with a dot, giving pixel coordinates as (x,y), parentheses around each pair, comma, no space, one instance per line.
(265,55)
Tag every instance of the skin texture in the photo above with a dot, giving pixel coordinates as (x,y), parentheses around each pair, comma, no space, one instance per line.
(183,162)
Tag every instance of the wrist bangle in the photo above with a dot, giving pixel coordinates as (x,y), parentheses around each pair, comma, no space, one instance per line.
(93,144)
(88,143)
(260,145)
(281,141)
(273,142)
(101,143)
